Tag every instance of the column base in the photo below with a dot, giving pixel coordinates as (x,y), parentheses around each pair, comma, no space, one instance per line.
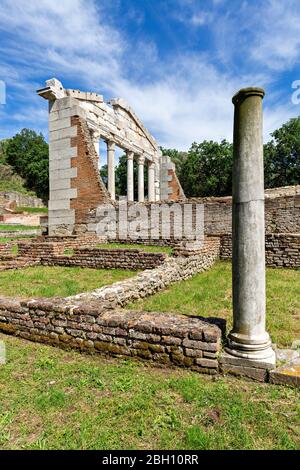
(255,348)
(248,357)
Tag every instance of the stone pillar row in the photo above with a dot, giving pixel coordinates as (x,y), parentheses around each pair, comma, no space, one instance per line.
(130,176)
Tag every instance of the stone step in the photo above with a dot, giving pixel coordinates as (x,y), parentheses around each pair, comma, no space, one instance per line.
(288,374)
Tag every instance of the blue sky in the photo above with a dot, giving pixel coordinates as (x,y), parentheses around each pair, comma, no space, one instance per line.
(177,62)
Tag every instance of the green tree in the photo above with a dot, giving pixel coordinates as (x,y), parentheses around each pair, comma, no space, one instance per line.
(3,148)
(27,152)
(282,156)
(177,157)
(207,170)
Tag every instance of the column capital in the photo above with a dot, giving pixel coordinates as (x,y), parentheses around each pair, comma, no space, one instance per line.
(151,164)
(129,155)
(110,145)
(141,159)
(246,92)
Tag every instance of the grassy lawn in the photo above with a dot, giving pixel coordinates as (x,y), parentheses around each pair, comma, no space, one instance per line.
(45,281)
(148,248)
(209,294)
(16,228)
(32,210)
(10,239)
(52,399)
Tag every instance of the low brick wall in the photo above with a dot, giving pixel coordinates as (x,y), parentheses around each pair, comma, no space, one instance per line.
(52,254)
(150,281)
(18,233)
(7,247)
(74,241)
(132,259)
(162,338)
(282,249)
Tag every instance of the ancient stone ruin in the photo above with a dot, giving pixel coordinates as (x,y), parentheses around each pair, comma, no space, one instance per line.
(254,227)
(77,120)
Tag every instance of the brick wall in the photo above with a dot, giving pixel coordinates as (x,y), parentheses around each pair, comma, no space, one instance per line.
(282,249)
(105,258)
(282,214)
(148,282)
(52,254)
(90,188)
(163,338)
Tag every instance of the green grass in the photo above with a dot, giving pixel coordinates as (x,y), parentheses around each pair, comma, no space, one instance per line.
(209,294)
(147,248)
(18,237)
(52,399)
(32,210)
(16,228)
(56,281)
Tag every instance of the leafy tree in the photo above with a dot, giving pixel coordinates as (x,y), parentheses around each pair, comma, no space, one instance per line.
(27,152)
(282,156)
(177,157)
(3,148)
(121,177)
(104,174)
(207,170)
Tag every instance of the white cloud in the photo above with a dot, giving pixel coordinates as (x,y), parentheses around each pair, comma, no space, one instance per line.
(277,42)
(181,99)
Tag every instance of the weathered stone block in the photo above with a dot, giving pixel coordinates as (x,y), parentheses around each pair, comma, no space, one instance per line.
(2,353)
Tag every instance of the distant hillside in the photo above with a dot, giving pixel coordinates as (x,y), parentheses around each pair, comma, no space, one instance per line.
(11,181)
(24,164)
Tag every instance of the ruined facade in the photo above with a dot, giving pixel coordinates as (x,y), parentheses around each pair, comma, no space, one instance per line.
(77,121)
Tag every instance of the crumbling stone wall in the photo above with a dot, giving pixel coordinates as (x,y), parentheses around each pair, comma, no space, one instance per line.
(282,249)
(21,200)
(151,281)
(89,186)
(77,120)
(52,254)
(94,328)
(282,211)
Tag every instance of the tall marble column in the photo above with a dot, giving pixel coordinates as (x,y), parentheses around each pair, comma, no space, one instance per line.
(141,195)
(111,169)
(248,339)
(151,181)
(130,179)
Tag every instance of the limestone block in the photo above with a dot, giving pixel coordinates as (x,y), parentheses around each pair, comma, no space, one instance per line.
(58,154)
(2,353)
(63,194)
(60,183)
(60,164)
(67,112)
(61,134)
(59,124)
(289,374)
(62,144)
(63,174)
(64,103)
(62,213)
(59,204)
(62,220)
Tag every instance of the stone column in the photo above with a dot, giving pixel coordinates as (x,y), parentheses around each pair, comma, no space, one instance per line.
(130,179)
(141,161)
(151,181)
(111,169)
(248,340)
